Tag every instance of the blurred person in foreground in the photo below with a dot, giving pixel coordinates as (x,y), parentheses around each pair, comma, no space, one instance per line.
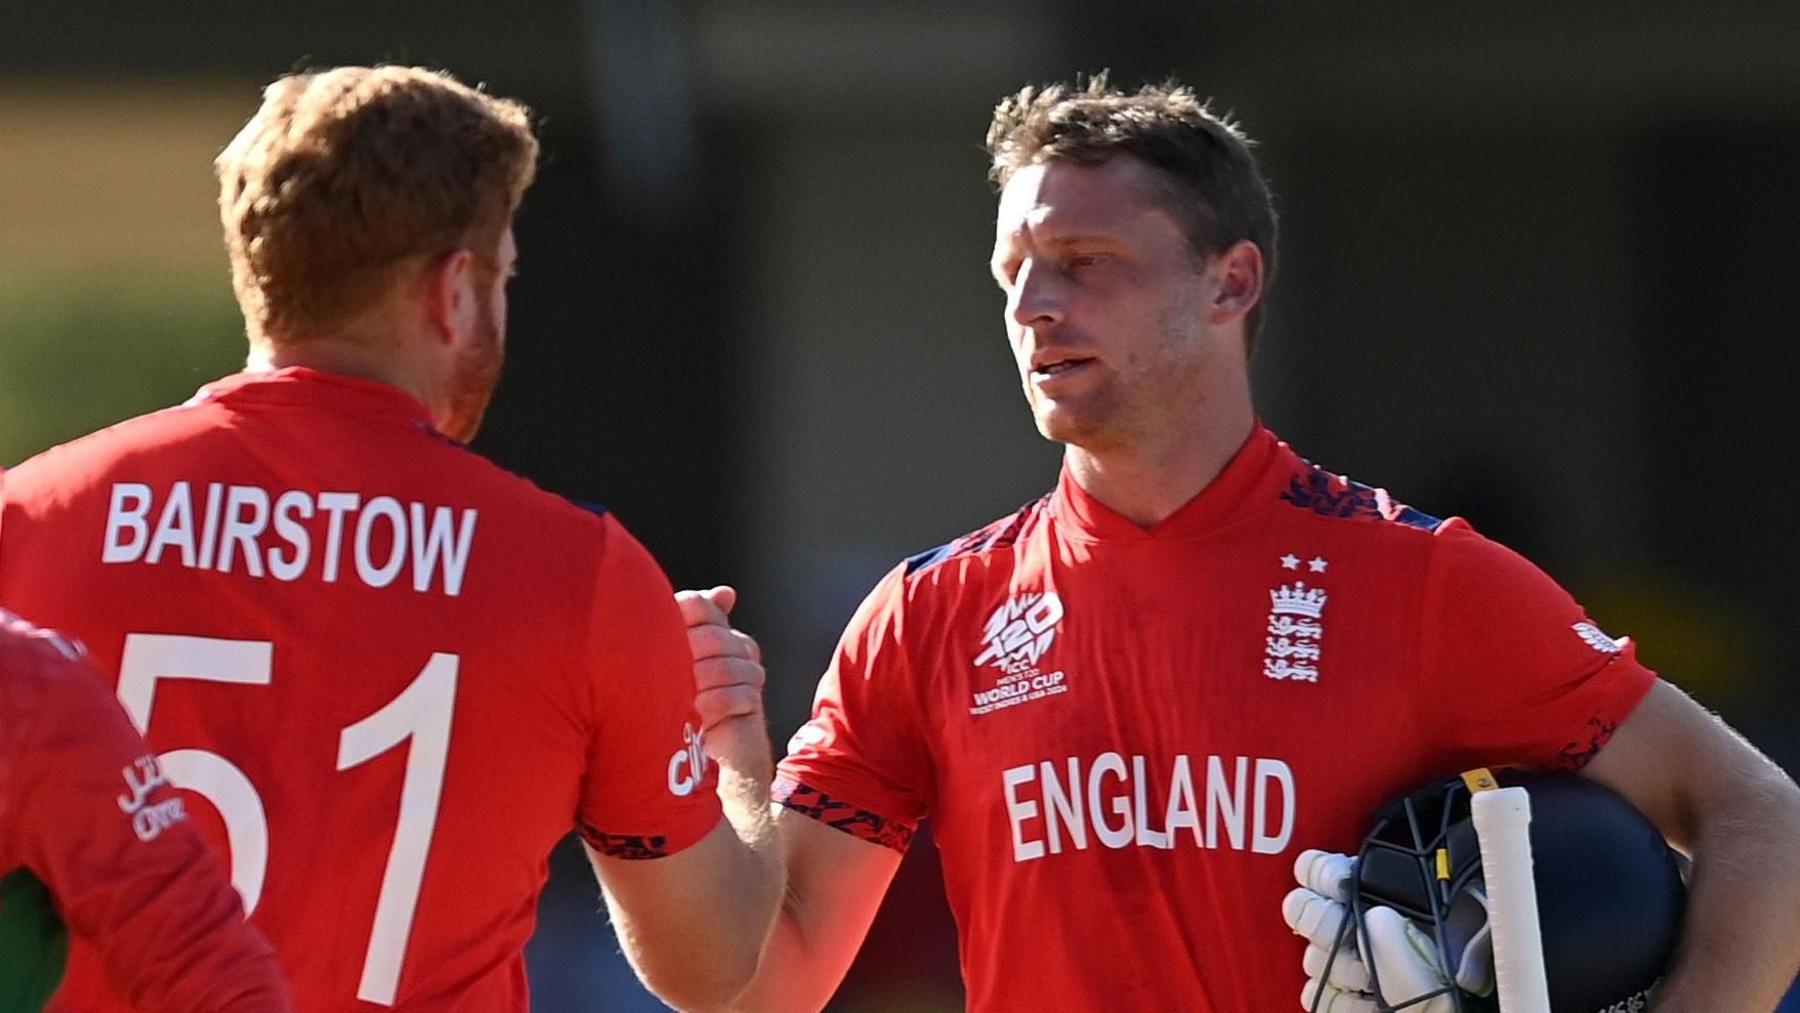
(1128,707)
(94,842)
(390,675)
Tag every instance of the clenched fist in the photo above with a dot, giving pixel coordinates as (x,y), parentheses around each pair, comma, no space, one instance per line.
(728,682)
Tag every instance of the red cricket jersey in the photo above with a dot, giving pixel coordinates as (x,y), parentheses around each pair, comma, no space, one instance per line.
(388,675)
(1124,736)
(85,808)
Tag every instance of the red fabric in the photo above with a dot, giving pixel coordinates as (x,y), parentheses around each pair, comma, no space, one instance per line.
(1082,873)
(572,705)
(83,810)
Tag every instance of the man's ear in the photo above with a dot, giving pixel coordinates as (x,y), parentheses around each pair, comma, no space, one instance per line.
(450,296)
(1240,272)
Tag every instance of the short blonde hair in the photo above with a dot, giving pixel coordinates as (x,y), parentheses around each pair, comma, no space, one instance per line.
(346,175)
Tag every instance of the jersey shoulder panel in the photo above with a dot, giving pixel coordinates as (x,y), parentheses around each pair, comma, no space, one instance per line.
(102,450)
(1326,494)
(501,482)
(27,647)
(996,536)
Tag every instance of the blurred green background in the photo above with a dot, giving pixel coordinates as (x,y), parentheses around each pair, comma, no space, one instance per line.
(110,266)
(1538,269)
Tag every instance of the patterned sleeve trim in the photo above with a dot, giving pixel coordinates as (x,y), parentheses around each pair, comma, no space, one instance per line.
(840,815)
(1576,755)
(631,846)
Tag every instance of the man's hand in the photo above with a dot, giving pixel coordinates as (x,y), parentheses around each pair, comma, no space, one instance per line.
(694,923)
(1403,954)
(728,683)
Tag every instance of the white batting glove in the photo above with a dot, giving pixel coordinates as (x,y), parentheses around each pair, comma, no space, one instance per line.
(1403,954)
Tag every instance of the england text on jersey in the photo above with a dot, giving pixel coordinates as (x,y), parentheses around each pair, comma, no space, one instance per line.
(228,528)
(1127,801)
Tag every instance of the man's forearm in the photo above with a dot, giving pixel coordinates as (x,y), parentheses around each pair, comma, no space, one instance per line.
(1740,942)
(745,798)
(745,771)
(694,924)
(792,978)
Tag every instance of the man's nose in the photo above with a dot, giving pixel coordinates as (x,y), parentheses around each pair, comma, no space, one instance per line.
(1037,296)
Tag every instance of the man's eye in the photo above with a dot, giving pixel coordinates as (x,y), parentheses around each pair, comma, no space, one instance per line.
(1084,259)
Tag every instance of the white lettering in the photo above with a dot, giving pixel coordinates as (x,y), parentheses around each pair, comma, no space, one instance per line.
(1218,802)
(209,526)
(1063,805)
(287,506)
(1267,770)
(144,776)
(1044,613)
(433,544)
(335,504)
(174,527)
(1182,811)
(1146,837)
(124,519)
(1017,636)
(1124,815)
(149,822)
(1019,810)
(372,575)
(236,520)
(243,531)
(1112,837)
(687,765)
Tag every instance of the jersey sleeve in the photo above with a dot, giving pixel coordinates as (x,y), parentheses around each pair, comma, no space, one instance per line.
(109,837)
(860,764)
(1516,673)
(649,789)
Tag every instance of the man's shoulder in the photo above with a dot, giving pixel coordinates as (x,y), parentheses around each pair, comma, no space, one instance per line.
(995,537)
(31,655)
(1332,497)
(199,436)
(523,498)
(929,582)
(96,453)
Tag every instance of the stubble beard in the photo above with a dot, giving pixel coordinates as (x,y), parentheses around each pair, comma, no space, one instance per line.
(1134,405)
(474,376)
(1086,421)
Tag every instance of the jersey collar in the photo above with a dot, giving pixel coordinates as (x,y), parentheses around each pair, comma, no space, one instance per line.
(1226,497)
(312,388)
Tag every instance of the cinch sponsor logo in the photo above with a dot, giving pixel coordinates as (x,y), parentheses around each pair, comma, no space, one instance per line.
(688,765)
(223,528)
(1113,801)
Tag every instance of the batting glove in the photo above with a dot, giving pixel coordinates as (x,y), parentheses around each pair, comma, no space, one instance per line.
(1404,955)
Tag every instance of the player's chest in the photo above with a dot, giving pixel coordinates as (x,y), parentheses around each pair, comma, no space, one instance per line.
(1184,639)
(1161,677)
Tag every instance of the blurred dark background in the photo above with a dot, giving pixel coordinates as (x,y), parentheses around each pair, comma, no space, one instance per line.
(1539,265)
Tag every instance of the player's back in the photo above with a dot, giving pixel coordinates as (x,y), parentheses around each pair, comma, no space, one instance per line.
(398,674)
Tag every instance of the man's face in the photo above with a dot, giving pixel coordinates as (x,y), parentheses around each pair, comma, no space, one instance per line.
(1105,301)
(475,371)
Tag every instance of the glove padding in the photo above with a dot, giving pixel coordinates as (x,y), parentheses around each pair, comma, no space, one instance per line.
(1403,954)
